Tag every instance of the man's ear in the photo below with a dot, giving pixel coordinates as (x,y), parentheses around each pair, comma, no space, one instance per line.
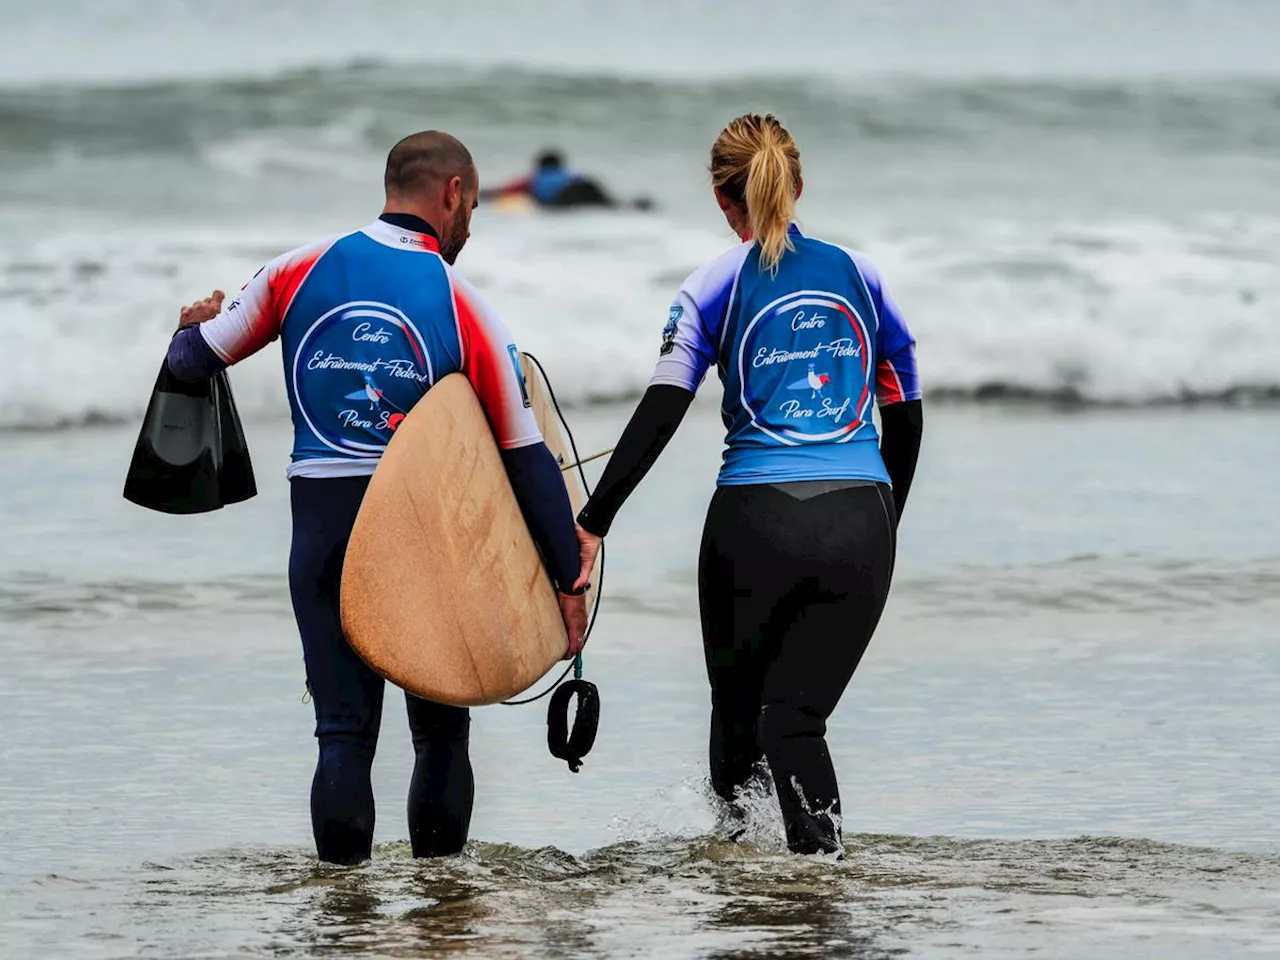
(453,194)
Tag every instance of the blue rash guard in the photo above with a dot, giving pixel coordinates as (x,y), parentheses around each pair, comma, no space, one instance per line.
(548,183)
(368,322)
(803,354)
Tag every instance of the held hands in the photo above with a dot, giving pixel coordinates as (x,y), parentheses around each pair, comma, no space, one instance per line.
(573,609)
(202,310)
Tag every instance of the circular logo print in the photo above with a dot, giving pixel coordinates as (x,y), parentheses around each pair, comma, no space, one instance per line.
(356,373)
(803,365)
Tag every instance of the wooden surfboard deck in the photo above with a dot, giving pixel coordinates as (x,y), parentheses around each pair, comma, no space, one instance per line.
(443,590)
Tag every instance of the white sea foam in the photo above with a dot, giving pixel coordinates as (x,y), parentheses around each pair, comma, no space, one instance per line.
(1131,313)
(1124,312)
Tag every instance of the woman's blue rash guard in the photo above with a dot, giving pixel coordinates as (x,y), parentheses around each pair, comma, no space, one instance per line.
(803,353)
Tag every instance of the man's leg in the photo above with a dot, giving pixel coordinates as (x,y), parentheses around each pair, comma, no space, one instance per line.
(347,694)
(443,787)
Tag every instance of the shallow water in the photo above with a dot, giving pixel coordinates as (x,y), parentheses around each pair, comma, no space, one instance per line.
(1059,742)
(892,896)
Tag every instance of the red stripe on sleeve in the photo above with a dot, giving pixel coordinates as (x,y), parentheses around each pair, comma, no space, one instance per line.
(888,386)
(480,365)
(285,283)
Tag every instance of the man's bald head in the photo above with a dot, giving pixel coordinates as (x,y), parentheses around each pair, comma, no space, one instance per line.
(432,176)
(422,160)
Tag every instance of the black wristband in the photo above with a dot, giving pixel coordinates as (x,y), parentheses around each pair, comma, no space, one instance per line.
(574,591)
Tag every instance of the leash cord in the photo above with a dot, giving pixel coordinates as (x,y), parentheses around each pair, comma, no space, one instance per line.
(576,666)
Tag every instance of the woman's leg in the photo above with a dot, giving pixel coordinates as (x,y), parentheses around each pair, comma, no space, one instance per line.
(845,572)
(443,788)
(347,694)
(738,601)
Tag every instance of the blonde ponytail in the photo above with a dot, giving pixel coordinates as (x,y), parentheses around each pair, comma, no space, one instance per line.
(756,163)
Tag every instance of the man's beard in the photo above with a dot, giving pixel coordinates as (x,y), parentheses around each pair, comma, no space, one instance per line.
(453,238)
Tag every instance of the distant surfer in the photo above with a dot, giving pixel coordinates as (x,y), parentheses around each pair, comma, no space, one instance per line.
(368,321)
(798,547)
(553,184)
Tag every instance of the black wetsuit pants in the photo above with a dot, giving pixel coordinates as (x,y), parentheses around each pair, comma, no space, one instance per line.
(348,700)
(791,587)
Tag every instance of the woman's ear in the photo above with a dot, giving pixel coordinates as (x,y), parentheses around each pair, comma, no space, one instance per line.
(799,187)
(735,214)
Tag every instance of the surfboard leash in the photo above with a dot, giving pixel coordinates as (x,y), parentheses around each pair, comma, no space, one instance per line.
(565,744)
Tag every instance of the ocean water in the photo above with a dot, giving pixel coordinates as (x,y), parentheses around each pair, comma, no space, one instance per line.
(1104,231)
(1062,740)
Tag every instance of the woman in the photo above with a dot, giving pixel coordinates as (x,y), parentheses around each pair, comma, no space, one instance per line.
(798,548)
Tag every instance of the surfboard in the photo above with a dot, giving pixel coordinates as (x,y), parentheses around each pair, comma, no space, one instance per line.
(514,203)
(555,433)
(443,590)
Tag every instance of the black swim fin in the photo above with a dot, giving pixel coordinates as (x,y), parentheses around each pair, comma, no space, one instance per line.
(235,473)
(191,455)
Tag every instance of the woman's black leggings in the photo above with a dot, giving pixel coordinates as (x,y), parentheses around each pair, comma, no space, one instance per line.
(792,581)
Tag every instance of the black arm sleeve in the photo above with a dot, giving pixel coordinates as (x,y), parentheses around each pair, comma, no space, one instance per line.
(901,427)
(652,425)
(544,501)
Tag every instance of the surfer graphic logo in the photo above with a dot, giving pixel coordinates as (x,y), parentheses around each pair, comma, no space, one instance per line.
(370,393)
(669,331)
(376,397)
(812,381)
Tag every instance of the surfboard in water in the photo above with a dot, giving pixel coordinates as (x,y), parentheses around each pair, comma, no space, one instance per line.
(443,590)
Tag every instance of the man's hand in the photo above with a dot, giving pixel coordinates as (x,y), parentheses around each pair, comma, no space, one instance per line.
(574,609)
(574,612)
(588,550)
(202,310)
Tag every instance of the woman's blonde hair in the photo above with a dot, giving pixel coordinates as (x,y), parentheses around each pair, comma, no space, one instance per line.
(755,162)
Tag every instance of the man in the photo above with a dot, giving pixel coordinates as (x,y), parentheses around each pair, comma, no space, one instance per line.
(554,185)
(368,322)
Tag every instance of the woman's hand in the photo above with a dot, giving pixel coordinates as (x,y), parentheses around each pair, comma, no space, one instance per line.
(573,610)
(202,310)
(588,550)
